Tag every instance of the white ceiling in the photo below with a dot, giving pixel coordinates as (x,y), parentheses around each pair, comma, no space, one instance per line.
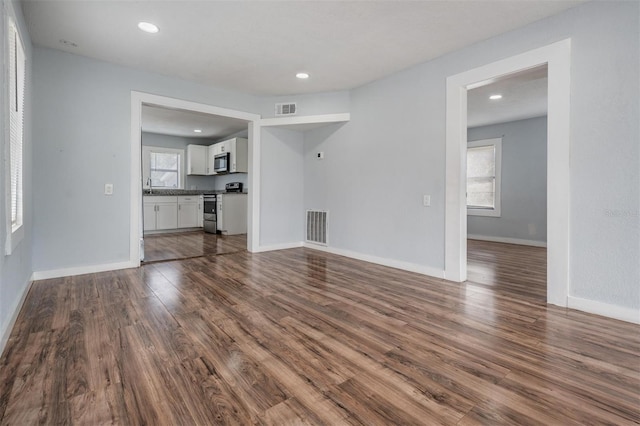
(257,46)
(176,122)
(524,95)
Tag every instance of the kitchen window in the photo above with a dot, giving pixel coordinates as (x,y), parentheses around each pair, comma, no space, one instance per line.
(162,167)
(15,201)
(484,164)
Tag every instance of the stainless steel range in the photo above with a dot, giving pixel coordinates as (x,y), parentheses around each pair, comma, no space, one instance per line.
(210,213)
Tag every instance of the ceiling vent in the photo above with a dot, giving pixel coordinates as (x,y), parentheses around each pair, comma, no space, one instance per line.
(289,108)
(317,226)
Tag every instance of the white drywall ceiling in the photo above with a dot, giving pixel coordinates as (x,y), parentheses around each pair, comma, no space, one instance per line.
(524,95)
(258,46)
(177,122)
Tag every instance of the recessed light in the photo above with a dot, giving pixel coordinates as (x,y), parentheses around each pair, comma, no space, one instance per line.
(495,97)
(302,75)
(148,27)
(197,130)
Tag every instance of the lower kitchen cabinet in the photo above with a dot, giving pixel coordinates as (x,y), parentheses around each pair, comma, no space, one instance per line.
(160,213)
(232,213)
(189,211)
(200,211)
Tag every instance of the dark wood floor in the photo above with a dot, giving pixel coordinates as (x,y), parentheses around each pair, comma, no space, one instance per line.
(185,245)
(304,337)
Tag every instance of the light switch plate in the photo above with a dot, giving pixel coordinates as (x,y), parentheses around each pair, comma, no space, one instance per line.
(108,189)
(426,200)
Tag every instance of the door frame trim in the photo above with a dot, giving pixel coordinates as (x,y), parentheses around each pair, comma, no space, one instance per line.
(253,120)
(557,56)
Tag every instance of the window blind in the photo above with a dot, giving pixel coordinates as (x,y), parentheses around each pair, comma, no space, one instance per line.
(16,122)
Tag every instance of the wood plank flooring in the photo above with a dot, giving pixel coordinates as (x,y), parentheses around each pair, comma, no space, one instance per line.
(186,245)
(305,337)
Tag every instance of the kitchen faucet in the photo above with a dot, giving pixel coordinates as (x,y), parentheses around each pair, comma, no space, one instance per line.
(150,186)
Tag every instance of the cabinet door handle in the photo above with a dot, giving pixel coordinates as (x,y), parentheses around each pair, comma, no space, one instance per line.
(179,206)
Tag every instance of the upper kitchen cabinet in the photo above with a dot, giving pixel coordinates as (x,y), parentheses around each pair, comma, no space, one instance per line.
(230,156)
(238,149)
(197,156)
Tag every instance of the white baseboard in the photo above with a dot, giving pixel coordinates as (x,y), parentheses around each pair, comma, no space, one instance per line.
(81,270)
(398,264)
(604,309)
(6,333)
(507,240)
(281,246)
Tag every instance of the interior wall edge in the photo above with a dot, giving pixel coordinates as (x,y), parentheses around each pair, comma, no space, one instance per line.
(6,332)
(81,270)
(392,263)
(507,240)
(604,309)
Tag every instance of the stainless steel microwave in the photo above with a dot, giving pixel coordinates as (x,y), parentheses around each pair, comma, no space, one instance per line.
(221,163)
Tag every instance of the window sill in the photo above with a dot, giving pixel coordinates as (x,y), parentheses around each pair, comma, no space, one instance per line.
(13,240)
(483,212)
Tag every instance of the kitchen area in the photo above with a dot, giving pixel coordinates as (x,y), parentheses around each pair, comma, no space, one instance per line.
(194,183)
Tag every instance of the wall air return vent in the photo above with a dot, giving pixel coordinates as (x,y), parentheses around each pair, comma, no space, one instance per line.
(289,108)
(317,226)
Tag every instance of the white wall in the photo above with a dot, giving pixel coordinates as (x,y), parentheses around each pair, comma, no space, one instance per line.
(15,270)
(281,187)
(393,151)
(523,213)
(82,113)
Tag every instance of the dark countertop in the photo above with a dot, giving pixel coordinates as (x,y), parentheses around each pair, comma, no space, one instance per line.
(175,192)
(165,192)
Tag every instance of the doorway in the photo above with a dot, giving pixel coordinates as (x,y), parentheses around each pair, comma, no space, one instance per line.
(557,58)
(506,179)
(165,105)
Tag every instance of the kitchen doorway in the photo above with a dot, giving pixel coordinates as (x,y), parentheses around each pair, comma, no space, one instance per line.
(557,57)
(187,239)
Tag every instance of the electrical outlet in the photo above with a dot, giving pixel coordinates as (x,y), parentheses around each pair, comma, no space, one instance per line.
(108,189)
(426,200)
(320,155)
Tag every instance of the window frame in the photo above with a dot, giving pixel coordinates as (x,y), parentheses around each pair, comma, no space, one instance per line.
(496,210)
(14,230)
(146,164)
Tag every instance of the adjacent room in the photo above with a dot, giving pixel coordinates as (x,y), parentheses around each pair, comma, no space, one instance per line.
(194,183)
(320,213)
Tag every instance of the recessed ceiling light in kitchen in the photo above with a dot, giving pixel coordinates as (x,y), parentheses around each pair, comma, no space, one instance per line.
(148,27)
(197,130)
(495,97)
(302,75)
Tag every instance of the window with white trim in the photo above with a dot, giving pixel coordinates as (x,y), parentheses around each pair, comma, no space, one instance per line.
(162,167)
(15,199)
(484,164)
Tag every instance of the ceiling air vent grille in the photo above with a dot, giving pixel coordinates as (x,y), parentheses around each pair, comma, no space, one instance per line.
(317,225)
(289,108)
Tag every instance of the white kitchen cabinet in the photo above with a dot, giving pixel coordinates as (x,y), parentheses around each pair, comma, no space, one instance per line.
(188,212)
(200,211)
(232,213)
(149,217)
(160,212)
(238,149)
(239,158)
(197,157)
